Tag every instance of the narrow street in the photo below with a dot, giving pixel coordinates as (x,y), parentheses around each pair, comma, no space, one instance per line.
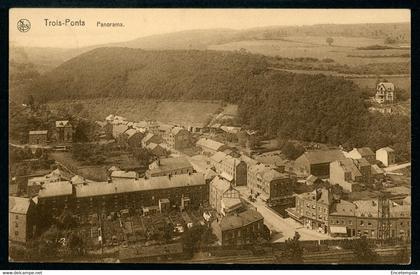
(397,167)
(282,228)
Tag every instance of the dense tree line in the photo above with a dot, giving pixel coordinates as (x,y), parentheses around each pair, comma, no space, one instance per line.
(295,106)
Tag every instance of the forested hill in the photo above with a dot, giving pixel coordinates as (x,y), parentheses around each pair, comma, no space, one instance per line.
(310,107)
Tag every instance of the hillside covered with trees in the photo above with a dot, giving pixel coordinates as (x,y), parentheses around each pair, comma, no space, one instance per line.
(308,107)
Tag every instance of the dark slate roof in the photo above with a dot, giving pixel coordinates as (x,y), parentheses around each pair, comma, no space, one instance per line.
(322,156)
(239,220)
(19,205)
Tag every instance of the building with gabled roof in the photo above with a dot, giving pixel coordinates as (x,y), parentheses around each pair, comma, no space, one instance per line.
(22,215)
(151,138)
(317,162)
(181,190)
(35,183)
(209,146)
(157,149)
(232,169)
(271,185)
(219,189)
(177,138)
(386,156)
(169,166)
(63,131)
(346,174)
(362,218)
(118,130)
(39,137)
(362,152)
(312,209)
(239,228)
(385,92)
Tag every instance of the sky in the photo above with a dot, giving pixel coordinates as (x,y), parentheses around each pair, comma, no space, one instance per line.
(144,22)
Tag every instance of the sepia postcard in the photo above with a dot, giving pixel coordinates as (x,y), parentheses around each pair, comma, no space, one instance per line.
(210,136)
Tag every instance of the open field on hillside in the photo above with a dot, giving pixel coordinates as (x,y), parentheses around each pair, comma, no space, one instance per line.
(180,112)
(364,81)
(342,50)
(399,82)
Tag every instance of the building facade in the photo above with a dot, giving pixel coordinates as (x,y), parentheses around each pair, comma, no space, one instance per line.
(233,169)
(273,186)
(38,137)
(316,163)
(362,218)
(177,138)
(312,209)
(169,166)
(238,229)
(386,155)
(385,92)
(210,147)
(22,213)
(64,131)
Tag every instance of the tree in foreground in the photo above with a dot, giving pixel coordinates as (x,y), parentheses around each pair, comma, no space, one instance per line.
(293,252)
(364,251)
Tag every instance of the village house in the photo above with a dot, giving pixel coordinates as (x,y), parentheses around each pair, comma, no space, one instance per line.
(316,163)
(35,183)
(363,152)
(153,127)
(118,129)
(312,209)
(63,131)
(361,218)
(223,197)
(151,138)
(133,137)
(202,164)
(38,137)
(271,185)
(22,215)
(385,92)
(239,228)
(169,166)
(177,138)
(342,219)
(105,130)
(386,156)
(346,174)
(232,169)
(182,191)
(157,150)
(210,147)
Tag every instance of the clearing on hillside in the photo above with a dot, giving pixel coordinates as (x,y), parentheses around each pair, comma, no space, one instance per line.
(193,113)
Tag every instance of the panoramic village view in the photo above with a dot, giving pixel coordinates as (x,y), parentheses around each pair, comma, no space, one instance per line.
(275,145)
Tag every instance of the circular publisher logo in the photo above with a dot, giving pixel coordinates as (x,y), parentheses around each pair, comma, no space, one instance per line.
(23,25)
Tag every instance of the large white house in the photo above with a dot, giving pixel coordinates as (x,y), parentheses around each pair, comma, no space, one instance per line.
(386,155)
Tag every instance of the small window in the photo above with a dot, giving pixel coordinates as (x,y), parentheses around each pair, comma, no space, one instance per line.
(362,223)
(369,223)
